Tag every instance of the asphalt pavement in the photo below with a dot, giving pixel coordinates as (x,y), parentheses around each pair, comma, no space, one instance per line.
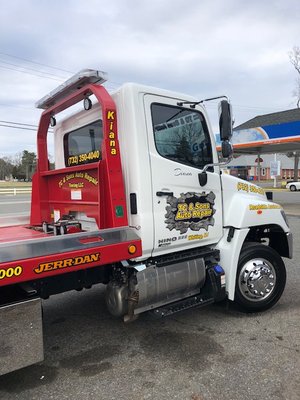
(290,202)
(214,353)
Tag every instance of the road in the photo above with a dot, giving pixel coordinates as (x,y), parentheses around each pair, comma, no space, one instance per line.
(215,353)
(14,205)
(20,204)
(290,202)
(285,197)
(209,354)
(14,210)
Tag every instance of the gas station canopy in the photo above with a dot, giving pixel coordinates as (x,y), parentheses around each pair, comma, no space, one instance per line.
(271,133)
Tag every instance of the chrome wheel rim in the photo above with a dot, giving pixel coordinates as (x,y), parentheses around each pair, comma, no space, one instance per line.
(257,279)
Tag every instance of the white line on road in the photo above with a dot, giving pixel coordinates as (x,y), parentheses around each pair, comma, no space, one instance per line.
(6,203)
(19,214)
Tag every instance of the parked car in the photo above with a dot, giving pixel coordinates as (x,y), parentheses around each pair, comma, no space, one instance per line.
(293,186)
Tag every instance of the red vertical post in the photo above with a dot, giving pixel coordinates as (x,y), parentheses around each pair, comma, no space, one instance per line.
(113,204)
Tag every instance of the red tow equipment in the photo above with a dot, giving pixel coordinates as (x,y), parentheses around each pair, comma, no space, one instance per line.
(29,252)
(103,195)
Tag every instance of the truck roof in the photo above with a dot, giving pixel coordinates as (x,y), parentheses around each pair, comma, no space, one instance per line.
(140,88)
(133,88)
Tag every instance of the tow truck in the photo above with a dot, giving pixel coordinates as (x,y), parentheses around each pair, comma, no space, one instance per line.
(136,201)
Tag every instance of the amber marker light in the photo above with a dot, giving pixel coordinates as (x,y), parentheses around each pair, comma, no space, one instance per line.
(131,249)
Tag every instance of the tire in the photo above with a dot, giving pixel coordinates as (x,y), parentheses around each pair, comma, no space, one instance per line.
(261,278)
(293,188)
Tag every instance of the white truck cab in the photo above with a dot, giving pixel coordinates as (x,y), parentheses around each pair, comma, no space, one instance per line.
(179,199)
(163,148)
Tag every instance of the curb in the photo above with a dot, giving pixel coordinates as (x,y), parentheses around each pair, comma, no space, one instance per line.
(275,190)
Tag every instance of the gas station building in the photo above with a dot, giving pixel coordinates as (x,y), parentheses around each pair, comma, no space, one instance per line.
(263,142)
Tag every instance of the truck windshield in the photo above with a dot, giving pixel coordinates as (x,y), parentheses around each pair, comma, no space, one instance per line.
(83,145)
(181,135)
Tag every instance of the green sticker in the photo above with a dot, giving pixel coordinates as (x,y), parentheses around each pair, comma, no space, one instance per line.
(119,211)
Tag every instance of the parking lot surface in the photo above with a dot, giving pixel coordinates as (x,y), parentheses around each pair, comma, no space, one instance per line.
(214,353)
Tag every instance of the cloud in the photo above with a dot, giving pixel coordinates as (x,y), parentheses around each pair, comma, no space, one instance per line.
(202,48)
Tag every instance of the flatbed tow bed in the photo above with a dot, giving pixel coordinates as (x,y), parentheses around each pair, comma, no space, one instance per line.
(19,232)
(37,253)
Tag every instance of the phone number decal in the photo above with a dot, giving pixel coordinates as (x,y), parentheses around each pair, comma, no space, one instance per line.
(84,158)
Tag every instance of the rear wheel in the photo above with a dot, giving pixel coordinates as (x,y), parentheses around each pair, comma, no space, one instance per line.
(293,188)
(261,278)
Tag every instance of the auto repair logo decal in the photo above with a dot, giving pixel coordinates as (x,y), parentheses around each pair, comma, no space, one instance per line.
(190,211)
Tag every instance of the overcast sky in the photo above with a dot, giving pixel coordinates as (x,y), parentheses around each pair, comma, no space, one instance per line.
(202,48)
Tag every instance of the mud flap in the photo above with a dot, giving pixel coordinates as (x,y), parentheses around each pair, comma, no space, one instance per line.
(21,335)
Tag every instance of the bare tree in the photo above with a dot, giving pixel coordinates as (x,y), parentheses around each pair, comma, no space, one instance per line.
(294,56)
(6,168)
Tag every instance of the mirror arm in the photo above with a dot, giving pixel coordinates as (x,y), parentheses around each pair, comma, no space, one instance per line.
(218,164)
(193,104)
(202,176)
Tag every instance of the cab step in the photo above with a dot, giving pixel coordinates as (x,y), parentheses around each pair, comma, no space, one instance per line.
(191,302)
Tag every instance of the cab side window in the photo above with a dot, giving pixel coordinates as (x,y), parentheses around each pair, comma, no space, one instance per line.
(181,135)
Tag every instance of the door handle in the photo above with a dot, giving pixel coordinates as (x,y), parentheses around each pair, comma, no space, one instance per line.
(160,194)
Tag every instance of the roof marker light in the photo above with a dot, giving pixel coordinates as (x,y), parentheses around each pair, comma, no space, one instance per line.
(77,81)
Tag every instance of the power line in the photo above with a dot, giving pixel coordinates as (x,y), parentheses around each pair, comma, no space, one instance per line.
(17,123)
(18,127)
(245,108)
(47,65)
(29,73)
(72,72)
(117,84)
(37,63)
(16,106)
(31,69)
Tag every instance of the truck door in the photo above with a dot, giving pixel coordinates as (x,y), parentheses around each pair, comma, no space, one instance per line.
(186,215)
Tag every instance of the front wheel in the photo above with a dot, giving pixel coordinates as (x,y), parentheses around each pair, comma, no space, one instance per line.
(293,188)
(261,278)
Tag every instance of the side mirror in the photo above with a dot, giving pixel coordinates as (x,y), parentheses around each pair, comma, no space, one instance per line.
(225,120)
(227,149)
